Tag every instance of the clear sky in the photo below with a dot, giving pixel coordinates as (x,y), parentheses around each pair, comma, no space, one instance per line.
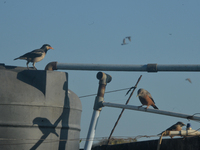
(163,32)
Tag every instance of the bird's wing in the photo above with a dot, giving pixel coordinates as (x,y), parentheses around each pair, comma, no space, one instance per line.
(189,80)
(35,53)
(150,96)
(124,41)
(32,55)
(173,127)
(129,38)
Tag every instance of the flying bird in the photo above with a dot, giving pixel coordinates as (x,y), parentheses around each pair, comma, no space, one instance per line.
(146,98)
(35,55)
(129,38)
(176,127)
(188,79)
(124,42)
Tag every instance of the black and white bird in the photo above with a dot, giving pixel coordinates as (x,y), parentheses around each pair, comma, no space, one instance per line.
(35,55)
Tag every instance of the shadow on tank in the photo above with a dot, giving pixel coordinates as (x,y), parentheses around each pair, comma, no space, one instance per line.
(38,111)
(33,78)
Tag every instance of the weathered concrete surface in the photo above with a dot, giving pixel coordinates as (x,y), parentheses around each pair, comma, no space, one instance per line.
(37,110)
(190,143)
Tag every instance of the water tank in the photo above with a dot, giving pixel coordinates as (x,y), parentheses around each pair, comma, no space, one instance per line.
(37,110)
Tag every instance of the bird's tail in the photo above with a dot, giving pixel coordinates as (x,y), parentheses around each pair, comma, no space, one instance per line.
(155,107)
(21,58)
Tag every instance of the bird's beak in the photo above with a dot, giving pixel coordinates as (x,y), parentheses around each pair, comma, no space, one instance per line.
(137,96)
(51,48)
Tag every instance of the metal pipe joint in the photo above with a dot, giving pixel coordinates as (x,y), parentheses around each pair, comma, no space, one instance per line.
(103,80)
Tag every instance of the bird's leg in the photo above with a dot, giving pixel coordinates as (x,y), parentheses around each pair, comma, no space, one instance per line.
(27,65)
(34,65)
(147,107)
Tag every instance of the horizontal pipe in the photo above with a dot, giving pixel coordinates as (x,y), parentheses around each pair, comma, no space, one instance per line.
(183,133)
(120,67)
(156,111)
(102,67)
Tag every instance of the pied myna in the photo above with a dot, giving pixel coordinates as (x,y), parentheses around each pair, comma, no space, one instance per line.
(35,55)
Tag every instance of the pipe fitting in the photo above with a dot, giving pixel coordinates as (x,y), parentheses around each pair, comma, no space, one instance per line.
(51,66)
(152,68)
(103,78)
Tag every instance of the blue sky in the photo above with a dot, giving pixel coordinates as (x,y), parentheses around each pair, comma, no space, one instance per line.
(163,32)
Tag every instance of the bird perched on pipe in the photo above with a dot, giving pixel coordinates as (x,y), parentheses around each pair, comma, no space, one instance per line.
(146,98)
(35,55)
(176,127)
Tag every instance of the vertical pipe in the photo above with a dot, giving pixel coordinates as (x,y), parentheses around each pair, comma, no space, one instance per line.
(103,80)
(91,131)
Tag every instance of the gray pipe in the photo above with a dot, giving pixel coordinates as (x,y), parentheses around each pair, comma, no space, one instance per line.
(120,67)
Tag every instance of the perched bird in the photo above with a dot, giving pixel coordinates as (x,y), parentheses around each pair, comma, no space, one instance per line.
(35,55)
(176,127)
(146,98)
(129,38)
(188,79)
(124,42)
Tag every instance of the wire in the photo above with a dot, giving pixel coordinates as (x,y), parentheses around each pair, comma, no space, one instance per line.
(192,117)
(105,92)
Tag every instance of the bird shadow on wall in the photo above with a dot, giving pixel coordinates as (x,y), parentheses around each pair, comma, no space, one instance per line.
(35,78)
(46,127)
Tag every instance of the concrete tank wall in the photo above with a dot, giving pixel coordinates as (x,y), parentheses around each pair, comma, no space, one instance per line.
(37,110)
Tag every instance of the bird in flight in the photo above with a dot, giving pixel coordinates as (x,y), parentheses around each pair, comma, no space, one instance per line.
(124,40)
(188,79)
(35,55)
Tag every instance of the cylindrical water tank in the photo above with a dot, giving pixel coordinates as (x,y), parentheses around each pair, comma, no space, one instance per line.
(37,110)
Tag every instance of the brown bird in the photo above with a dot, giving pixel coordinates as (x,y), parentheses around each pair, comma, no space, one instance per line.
(188,79)
(146,98)
(176,127)
(35,55)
